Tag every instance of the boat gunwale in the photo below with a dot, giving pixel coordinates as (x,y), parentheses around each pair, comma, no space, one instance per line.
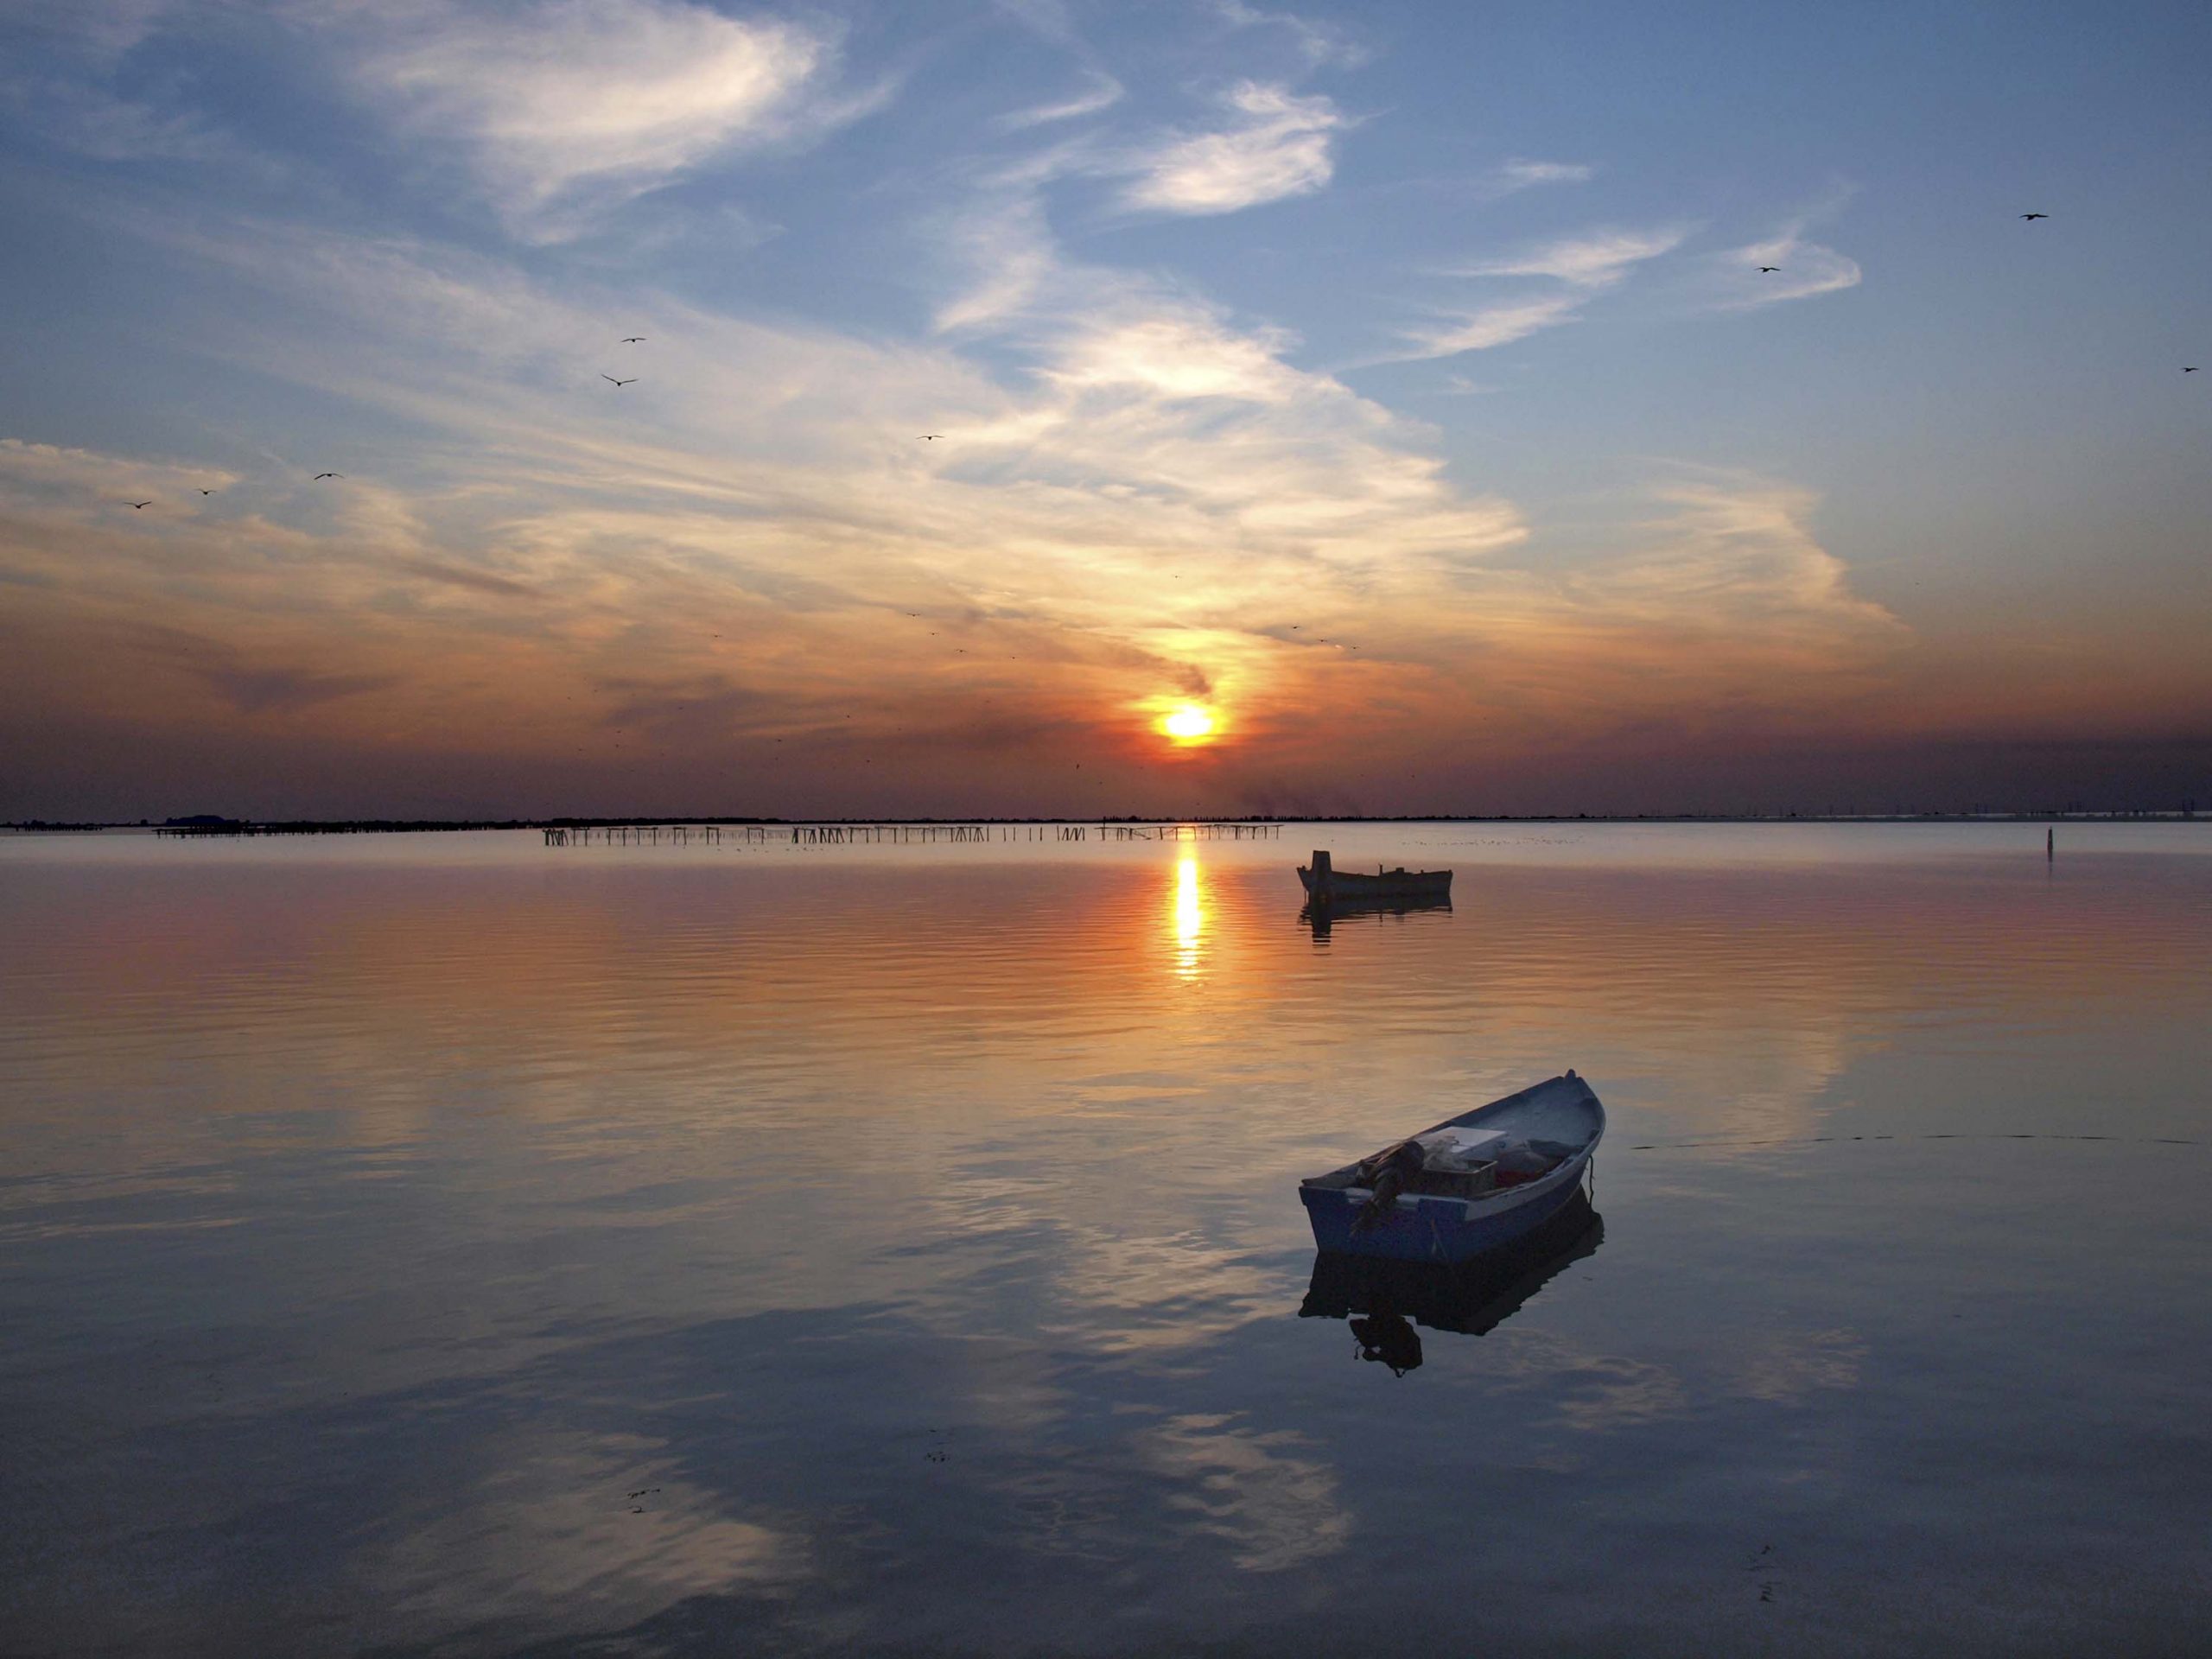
(1499,1199)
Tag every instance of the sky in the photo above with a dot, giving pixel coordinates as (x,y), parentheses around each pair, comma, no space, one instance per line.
(1046,408)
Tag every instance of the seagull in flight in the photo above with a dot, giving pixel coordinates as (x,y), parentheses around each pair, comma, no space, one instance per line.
(619,382)
(2035,215)
(207,492)
(1769,267)
(634,340)
(319,477)
(927,437)
(2190,370)
(141,504)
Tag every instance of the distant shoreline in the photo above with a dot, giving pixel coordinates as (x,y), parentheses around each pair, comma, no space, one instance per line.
(223,828)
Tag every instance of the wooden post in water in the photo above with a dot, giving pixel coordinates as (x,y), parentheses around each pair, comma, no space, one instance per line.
(2051,844)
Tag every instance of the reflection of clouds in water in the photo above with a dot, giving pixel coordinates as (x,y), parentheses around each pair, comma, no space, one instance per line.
(1063,1510)
(993,1198)
(1597,1394)
(1274,1510)
(550,1536)
(1602,1395)
(1587,1392)
(1167,1292)
(1768,1083)
(1788,1365)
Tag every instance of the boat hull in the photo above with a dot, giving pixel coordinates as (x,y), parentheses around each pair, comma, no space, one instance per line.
(1340,885)
(1471,1298)
(1424,1228)
(1436,1229)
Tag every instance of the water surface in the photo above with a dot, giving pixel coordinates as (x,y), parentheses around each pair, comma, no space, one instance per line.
(450,1244)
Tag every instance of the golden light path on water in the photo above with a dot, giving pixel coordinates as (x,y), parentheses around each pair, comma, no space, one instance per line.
(1190,918)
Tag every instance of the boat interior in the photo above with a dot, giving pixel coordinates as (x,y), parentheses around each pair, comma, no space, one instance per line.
(1439,1174)
(1491,1150)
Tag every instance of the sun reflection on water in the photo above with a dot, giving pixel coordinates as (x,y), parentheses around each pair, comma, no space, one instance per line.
(1190,918)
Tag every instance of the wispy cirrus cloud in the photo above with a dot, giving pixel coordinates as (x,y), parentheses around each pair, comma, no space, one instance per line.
(1100,91)
(562,108)
(86,481)
(1736,547)
(1803,268)
(1522,175)
(102,29)
(1007,248)
(1317,44)
(1485,327)
(1578,267)
(1277,145)
(67,90)
(257,690)
(1598,259)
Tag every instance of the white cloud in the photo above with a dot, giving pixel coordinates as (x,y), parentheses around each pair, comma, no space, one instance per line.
(1316,43)
(1734,550)
(1583,265)
(1010,248)
(1598,260)
(1152,424)
(564,107)
(78,482)
(1520,174)
(1278,147)
(1490,326)
(1804,269)
(1102,92)
(1178,355)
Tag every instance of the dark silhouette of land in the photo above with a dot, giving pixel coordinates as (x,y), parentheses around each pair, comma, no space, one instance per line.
(208,823)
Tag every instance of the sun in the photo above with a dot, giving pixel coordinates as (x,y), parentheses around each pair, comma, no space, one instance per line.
(1188,723)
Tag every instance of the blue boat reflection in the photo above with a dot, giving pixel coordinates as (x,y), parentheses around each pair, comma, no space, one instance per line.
(1384,1299)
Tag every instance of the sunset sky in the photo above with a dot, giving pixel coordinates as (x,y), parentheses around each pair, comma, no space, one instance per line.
(1376,409)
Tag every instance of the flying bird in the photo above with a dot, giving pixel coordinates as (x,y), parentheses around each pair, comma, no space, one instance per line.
(634,340)
(927,436)
(2190,371)
(1769,267)
(620,383)
(141,504)
(207,492)
(319,477)
(2035,215)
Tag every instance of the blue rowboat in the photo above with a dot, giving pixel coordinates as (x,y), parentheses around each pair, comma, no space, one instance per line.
(1469,1185)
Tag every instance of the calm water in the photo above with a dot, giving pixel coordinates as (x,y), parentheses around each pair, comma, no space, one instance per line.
(450,1244)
